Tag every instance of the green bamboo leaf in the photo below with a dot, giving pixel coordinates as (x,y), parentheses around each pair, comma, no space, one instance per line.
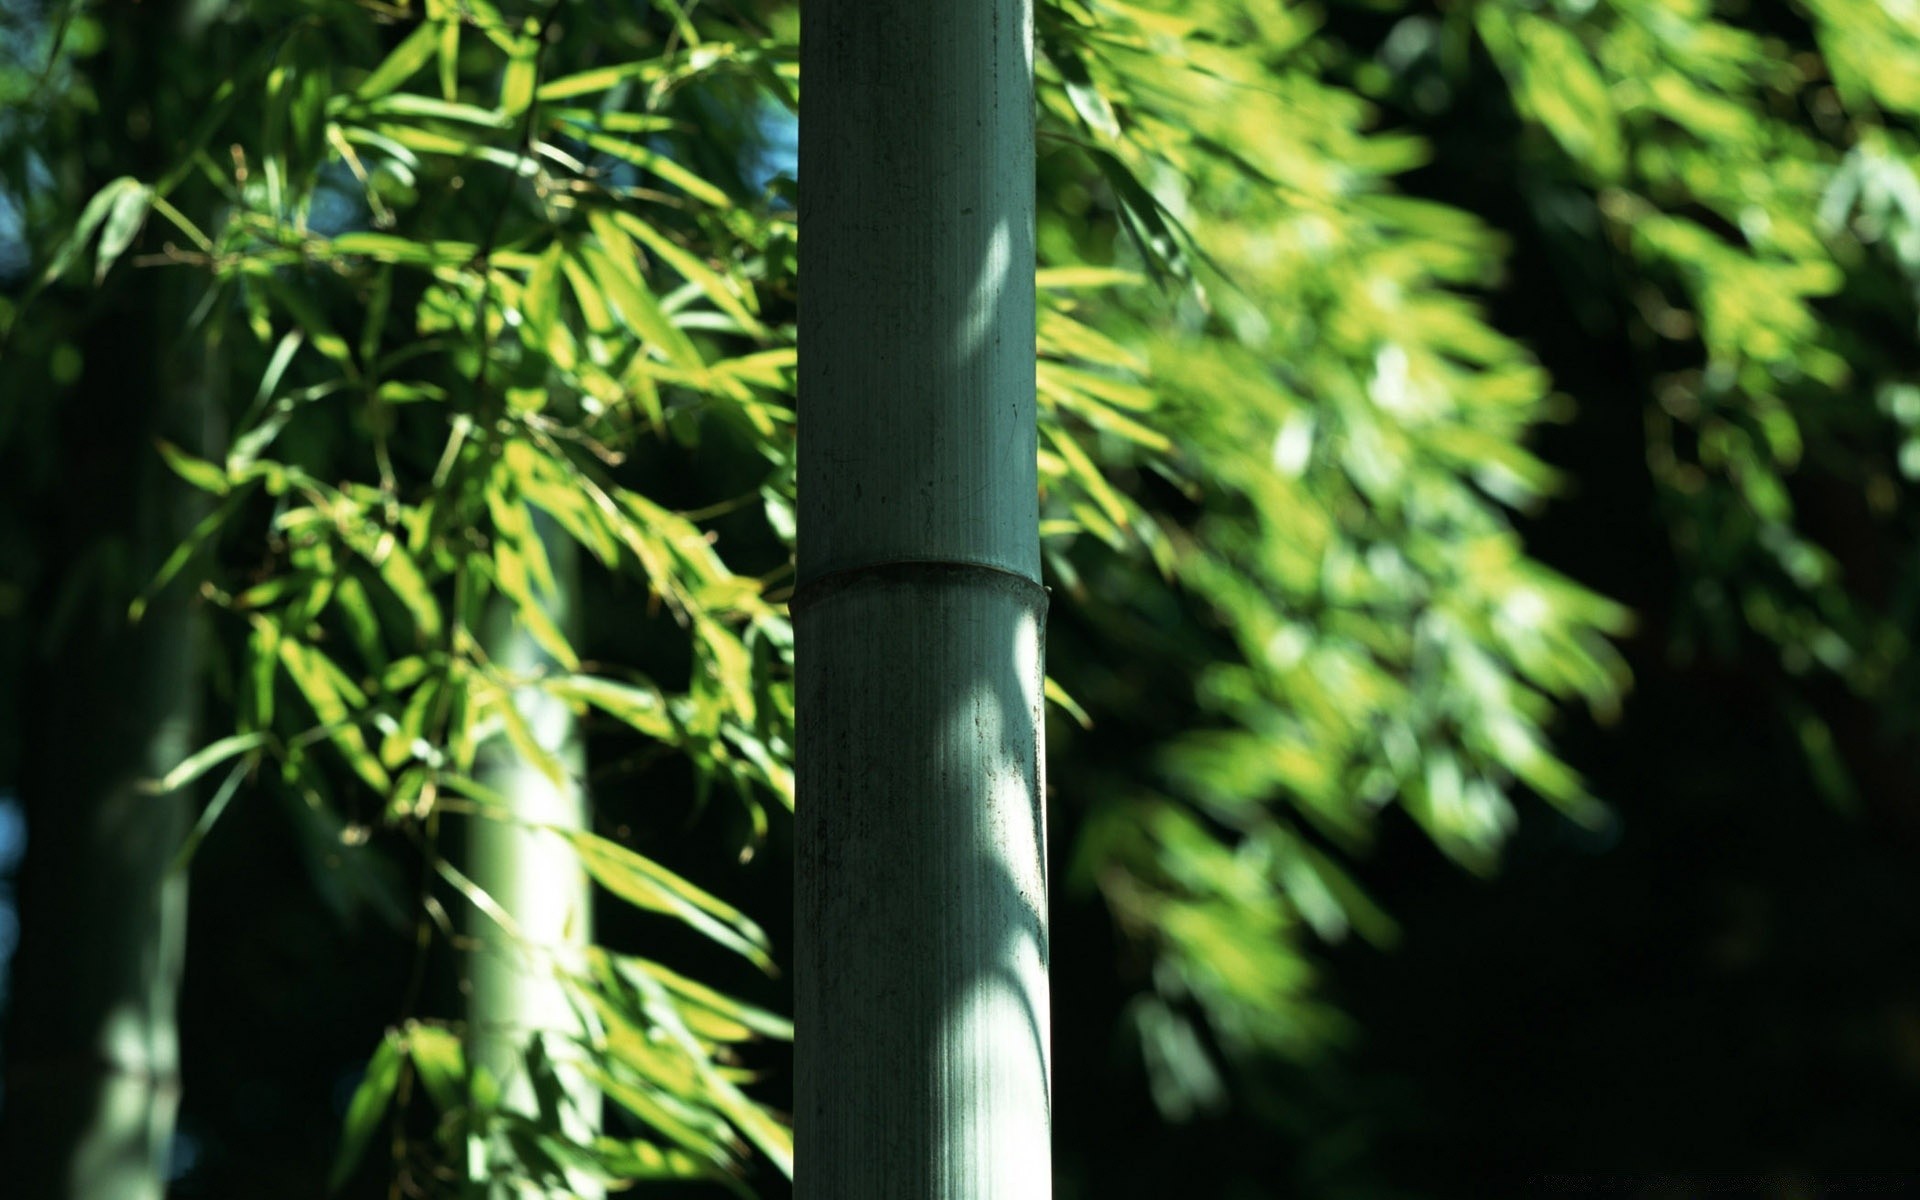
(124,219)
(774,1139)
(597,80)
(478,897)
(385,247)
(206,759)
(617,122)
(1059,696)
(540,305)
(369,1104)
(439,1064)
(449,55)
(550,487)
(592,302)
(389,556)
(300,306)
(1086,98)
(643,708)
(662,166)
(263,657)
(1089,478)
(1556,82)
(694,1072)
(513,522)
(710,1013)
(1061,337)
(229,788)
(92,216)
(1079,278)
(769,369)
(1161,239)
(197,471)
(511,574)
(647,884)
(1119,393)
(691,269)
(620,282)
(408,57)
(517,81)
(724,659)
(412,104)
(627,1158)
(660,1110)
(184,552)
(336,701)
(283,352)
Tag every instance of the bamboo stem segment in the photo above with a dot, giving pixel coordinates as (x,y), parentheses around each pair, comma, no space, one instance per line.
(920,923)
(518,857)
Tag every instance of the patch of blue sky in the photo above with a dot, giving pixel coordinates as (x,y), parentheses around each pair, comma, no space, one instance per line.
(775,152)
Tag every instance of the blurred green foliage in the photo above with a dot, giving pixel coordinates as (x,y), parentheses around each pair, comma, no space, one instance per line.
(463,267)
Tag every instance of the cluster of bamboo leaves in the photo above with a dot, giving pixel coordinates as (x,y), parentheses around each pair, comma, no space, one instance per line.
(1740,183)
(422,385)
(1352,443)
(1751,177)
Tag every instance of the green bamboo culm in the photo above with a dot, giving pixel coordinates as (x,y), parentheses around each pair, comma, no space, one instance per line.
(920,926)
(93,1048)
(518,856)
(109,703)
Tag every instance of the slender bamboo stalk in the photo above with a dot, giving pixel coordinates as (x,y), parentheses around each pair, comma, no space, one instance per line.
(920,926)
(515,992)
(93,1057)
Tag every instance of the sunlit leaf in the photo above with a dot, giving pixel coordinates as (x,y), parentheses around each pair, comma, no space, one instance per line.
(643,882)
(367,1108)
(208,757)
(413,52)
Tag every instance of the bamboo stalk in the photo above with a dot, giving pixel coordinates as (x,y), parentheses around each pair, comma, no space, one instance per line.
(920,926)
(515,992)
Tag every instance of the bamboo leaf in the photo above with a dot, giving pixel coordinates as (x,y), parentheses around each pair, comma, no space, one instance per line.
(700,1004)
(440,1065)
(124,219)
(92,216)
(710,282)
(408,57)
(197,471)
(657,1109)
(528,609)
(647,884)
(1074,278)
(643,708)
(597,80)
(369,1104)
(1059,696)
(184,552)
(662,166)
(478,897)
(637,306)
(229,788)
(397,569)
(206,759)
(449,55)
(726,662)
(336,702)
(516,82)
(627,1158)
(319,330)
